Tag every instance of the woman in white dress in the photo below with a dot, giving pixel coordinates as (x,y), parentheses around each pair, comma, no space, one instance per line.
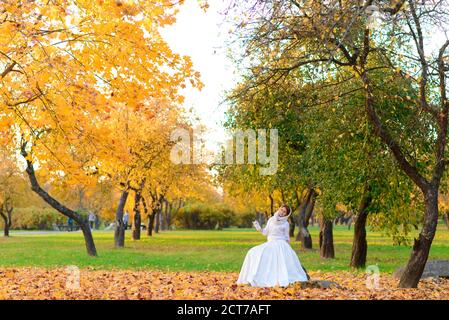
(273,263)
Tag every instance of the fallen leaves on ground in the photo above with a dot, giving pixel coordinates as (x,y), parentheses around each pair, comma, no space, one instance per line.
(41,283)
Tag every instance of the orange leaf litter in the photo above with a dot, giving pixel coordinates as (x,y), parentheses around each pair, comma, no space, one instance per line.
(41,283)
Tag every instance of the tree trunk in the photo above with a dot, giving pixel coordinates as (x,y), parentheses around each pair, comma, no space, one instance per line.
(271,205)
(327,239)
(84,224)
(149,231)
(6,229)
(359,244)
(310,208)
(320,236)
(163,222)
(292,227)
(119,234)
(7,217)
(151,219)
(169,215)
(305,237)
(301,215)
(305,211)
(137,217)
(420,253)
(6,224)
(145,210)
(446,220)
(87,233)
(158,220)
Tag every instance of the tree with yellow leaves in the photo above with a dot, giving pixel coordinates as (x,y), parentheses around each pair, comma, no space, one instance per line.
(9,187)
(170,183)
(138,141)
(65,65)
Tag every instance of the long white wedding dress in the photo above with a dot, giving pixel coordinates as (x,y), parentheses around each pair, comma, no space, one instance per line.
(273,263)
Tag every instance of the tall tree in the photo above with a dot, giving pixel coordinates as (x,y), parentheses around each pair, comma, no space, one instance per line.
(62,78)
(10,178)
(329,37)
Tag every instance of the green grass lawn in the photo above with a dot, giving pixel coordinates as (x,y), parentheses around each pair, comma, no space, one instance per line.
(194,250)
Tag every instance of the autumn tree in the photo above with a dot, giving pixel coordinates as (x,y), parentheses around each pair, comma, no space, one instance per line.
(10,178)
(95,195)
(139,142)
(61,78)
(350,164)
(332,154)
(266,107)
(169,187)
(336,37)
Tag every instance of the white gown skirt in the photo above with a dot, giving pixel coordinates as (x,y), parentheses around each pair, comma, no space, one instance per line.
(273,263)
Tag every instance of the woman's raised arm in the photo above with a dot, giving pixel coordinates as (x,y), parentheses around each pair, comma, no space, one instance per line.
(267,228)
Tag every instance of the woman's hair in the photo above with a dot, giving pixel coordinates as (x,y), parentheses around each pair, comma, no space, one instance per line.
(287,207)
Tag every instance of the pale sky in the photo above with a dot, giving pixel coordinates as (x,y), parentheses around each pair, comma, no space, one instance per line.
(202,36)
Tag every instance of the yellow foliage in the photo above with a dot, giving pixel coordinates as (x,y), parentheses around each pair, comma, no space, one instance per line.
(92,87)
